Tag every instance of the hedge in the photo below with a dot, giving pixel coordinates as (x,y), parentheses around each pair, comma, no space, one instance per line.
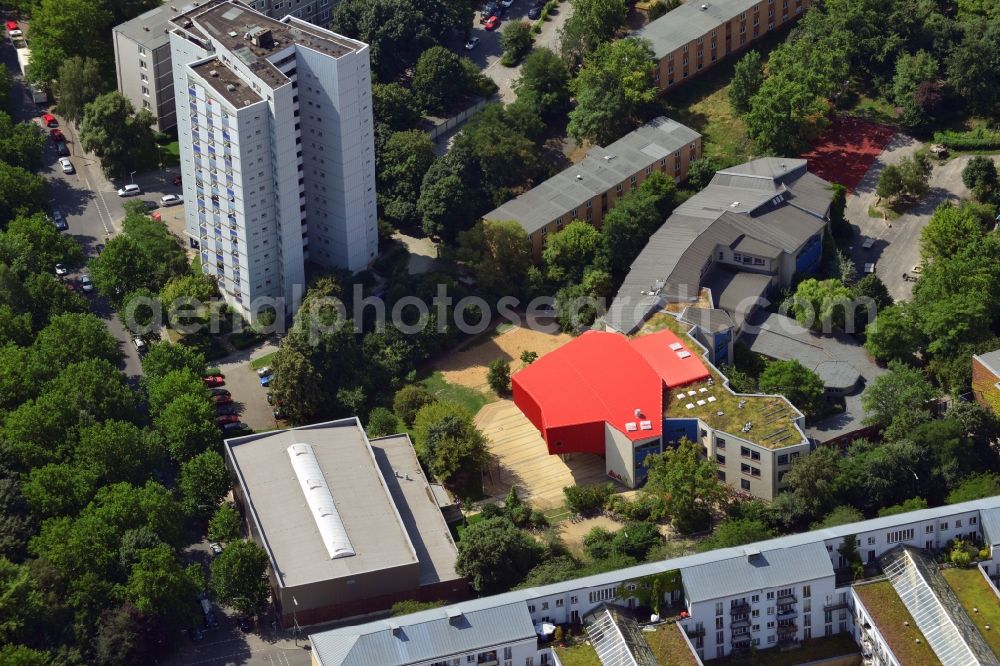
(978,139)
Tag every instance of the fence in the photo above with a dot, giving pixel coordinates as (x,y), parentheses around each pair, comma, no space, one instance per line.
(459,119)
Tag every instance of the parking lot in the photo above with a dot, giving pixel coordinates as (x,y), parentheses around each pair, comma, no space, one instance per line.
(249,397)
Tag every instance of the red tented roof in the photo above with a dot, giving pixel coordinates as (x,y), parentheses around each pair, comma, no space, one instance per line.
(675,363)
(606,377)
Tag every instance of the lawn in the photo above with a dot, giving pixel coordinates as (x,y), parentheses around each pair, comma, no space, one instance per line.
(896,624)
(578,655)
(266,359)
(170,154)
(877,213)
(469,398)
(772,418)
(814,649)
(669,646)
(973,591)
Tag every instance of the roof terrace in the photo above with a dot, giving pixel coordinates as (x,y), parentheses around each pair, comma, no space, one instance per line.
(979,600)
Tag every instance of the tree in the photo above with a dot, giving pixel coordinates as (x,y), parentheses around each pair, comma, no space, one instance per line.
(494,555)
(498,376)
(823,305)
(126,635)
(701,171)
(871,287)
(980,176)
(592,23)
(164,357)
(780,113)
(119,451)
(33,245)
(975,487)
(915,173)
(570,251)
(499,254)
(161,391)
(748,76)
(799,384)
(811,482)
(614,85)
(688,483)
(912,71)
(528,357)
(627,227)
(841,515)
(188,426)
(448,443)
(401,165)
(118,135)
(839,226)
(894,335)
(730,533)
(158,585)
(409,400)
(61,29)
(912,504)
(239,577)
(395,106)
(543,84)
(588,500)
(900,390)
(21,193)
(451,196)
(80,81)
(120,269)
(439,79)
(950,229)
(225,524)
(59,489)
(203,482)
(515,38)
(70,338)
(20,143)
(973,64)
(499,139)
(397,31)
(189,290)
(381,423)
(890,182)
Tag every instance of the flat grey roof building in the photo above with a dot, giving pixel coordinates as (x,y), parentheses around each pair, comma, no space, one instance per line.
(692,19)
(601,170)
(991,360)
(349,526)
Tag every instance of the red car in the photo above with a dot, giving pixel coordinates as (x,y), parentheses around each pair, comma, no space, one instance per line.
(57,135)
(227,418)
(50,120)
(11,25)
(177,180)
(214,380)
(492,23)
(222,399)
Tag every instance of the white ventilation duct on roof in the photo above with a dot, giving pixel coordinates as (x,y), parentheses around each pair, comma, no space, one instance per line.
(320,501)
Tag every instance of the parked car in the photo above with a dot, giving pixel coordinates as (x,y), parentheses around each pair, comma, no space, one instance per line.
(86,284)
(66,165)
(177,180)
(235,427)
(226,418)
(224,410)
(57,135)
(244,625)
(171,199)
(216,548)
(492,23)
(197,634)
(506,3)
(99,248)
(264,372)
(472,43)
(11,25)
(140,345)
(62,150)
(266,380)
(270,398)
(535,12)
(214,380)
(278,413)
(130,190)
(488,11)
(868,242)
(61,270)
(150,205)
(222,399)
(219,391)
(49,120)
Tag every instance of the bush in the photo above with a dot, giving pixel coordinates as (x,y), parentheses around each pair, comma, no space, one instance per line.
(977,139)
(498,376)
(381,423)
(598,543)
(588,500)
(409,400)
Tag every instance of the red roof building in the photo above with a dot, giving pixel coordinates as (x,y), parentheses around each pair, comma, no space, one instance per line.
(603,393)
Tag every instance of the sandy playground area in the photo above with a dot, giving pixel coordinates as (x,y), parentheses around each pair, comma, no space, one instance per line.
(468,366)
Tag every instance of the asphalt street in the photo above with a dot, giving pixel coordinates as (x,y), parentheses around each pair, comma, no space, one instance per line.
(88,200)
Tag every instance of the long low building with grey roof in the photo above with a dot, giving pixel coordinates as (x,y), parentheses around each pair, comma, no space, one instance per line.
(689,40)
(777,594)
(350,526)
(589,189)
(750,230)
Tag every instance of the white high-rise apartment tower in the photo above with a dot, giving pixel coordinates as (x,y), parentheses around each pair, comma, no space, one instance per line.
(274,120)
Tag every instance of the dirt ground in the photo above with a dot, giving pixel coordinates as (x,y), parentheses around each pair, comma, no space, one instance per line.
(572,533)
(468,366)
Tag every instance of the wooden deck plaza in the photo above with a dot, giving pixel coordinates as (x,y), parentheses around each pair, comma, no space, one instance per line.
(524,460)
